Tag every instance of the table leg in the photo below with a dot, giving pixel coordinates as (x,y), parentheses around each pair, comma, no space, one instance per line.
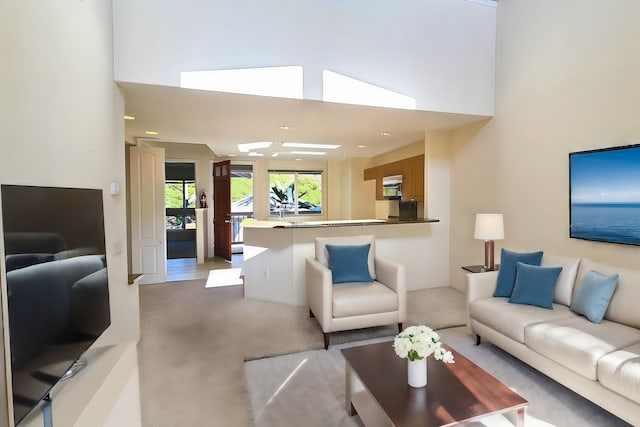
(347,388)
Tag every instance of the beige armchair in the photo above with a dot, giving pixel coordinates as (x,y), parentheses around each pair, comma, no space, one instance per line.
(354,305)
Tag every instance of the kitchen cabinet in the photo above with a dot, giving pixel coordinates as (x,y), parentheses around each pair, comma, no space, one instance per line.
(412,171)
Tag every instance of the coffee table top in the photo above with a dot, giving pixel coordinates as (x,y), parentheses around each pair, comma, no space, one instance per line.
(455,393)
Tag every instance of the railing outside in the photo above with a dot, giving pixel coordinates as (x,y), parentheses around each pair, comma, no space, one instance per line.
(237,235)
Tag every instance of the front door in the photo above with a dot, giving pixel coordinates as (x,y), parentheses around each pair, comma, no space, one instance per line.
(222,209)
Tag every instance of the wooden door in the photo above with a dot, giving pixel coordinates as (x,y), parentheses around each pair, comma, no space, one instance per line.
(148,237)
(222,209)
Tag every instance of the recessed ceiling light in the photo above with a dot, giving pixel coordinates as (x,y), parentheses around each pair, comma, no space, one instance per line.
(362,146)
(129,118)
(385,133)
(244,148)
(305,145)
(231,155)
(298,159)
(310,153)
(275,155)
(254,154)
(150,132)
(285,127)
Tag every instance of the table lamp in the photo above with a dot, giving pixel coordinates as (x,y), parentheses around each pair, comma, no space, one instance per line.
(489,227)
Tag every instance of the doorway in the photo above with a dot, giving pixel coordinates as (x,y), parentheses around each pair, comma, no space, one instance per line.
(241,203)
(180,214)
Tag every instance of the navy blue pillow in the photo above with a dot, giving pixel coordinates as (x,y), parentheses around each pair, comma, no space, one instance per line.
(349,263)
(507,272)
(535,285)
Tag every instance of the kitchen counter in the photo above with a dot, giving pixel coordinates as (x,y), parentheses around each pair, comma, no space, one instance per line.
(336,223)
(275,252)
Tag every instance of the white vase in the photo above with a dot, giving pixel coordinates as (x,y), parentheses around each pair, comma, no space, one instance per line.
(417,372)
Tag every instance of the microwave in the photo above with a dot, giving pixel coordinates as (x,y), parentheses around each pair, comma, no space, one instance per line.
(392,187)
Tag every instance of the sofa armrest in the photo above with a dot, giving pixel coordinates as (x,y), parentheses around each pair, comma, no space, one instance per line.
(481,285)
(393,276)
(319,292)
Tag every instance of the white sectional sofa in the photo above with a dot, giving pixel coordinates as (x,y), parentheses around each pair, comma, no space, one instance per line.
(601,361)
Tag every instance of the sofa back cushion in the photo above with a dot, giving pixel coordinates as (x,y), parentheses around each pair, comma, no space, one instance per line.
(566,281)
(623,307)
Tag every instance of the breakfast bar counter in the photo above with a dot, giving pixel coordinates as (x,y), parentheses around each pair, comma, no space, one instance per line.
(351,222)
(275,252)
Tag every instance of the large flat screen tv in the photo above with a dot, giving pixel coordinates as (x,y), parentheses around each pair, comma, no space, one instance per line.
(57,286)
(605,195)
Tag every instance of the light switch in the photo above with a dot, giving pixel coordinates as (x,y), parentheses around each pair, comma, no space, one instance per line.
(115,188)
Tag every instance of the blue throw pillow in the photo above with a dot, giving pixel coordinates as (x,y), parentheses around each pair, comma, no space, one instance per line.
(594,295)
(507,272)
(535,285)
(349,263)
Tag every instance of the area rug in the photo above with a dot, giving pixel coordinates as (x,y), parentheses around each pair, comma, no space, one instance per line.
(307,388)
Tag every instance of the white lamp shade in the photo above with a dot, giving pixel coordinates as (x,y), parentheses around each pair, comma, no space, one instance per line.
(489,227)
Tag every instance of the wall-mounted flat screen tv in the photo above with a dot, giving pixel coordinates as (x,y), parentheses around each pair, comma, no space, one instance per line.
(57,286)
(605,195)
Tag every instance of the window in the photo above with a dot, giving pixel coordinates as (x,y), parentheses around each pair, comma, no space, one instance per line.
(295,192)
(180,196)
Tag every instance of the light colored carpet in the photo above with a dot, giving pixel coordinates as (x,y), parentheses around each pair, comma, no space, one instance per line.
(307,389)
(194,341)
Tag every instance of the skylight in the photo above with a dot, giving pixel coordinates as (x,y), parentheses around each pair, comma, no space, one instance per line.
(283,82)
(310,145)
(246,147)
(339,88)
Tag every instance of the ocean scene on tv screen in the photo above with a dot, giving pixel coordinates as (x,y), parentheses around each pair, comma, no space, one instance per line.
(605,195)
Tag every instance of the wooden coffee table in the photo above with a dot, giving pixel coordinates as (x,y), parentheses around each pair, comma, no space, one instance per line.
(377,390)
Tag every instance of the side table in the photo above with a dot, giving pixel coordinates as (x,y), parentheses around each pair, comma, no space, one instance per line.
(478,268)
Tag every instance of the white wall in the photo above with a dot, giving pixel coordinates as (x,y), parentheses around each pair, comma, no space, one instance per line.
(437,206)
(440,52)
(566,80)
(61,122)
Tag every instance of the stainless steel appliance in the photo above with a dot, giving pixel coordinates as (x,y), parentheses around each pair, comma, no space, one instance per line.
(392,187)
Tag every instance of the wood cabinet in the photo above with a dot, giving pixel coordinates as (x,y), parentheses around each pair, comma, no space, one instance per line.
(412,171)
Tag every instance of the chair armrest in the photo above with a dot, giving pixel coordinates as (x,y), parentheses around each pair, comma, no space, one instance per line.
(393,276)
(481,285)
(319,292)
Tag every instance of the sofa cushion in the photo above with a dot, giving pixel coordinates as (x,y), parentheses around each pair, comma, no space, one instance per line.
(511,319)
(323,256)
(594,295)
(535,285)
(578,344)
(620,371)
(623,307)
(349,263)
(507,272)
(566,281)
(355,299)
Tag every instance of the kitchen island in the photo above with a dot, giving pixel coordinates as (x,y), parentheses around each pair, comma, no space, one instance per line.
(275,252)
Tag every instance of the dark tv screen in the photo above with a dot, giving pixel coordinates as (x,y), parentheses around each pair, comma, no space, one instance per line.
(57,286)
(605,195)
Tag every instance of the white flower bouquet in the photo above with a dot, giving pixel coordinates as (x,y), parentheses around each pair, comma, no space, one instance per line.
(418,342)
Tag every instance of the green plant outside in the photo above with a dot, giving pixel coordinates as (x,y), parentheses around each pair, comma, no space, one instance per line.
(174,197)
(241,188)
